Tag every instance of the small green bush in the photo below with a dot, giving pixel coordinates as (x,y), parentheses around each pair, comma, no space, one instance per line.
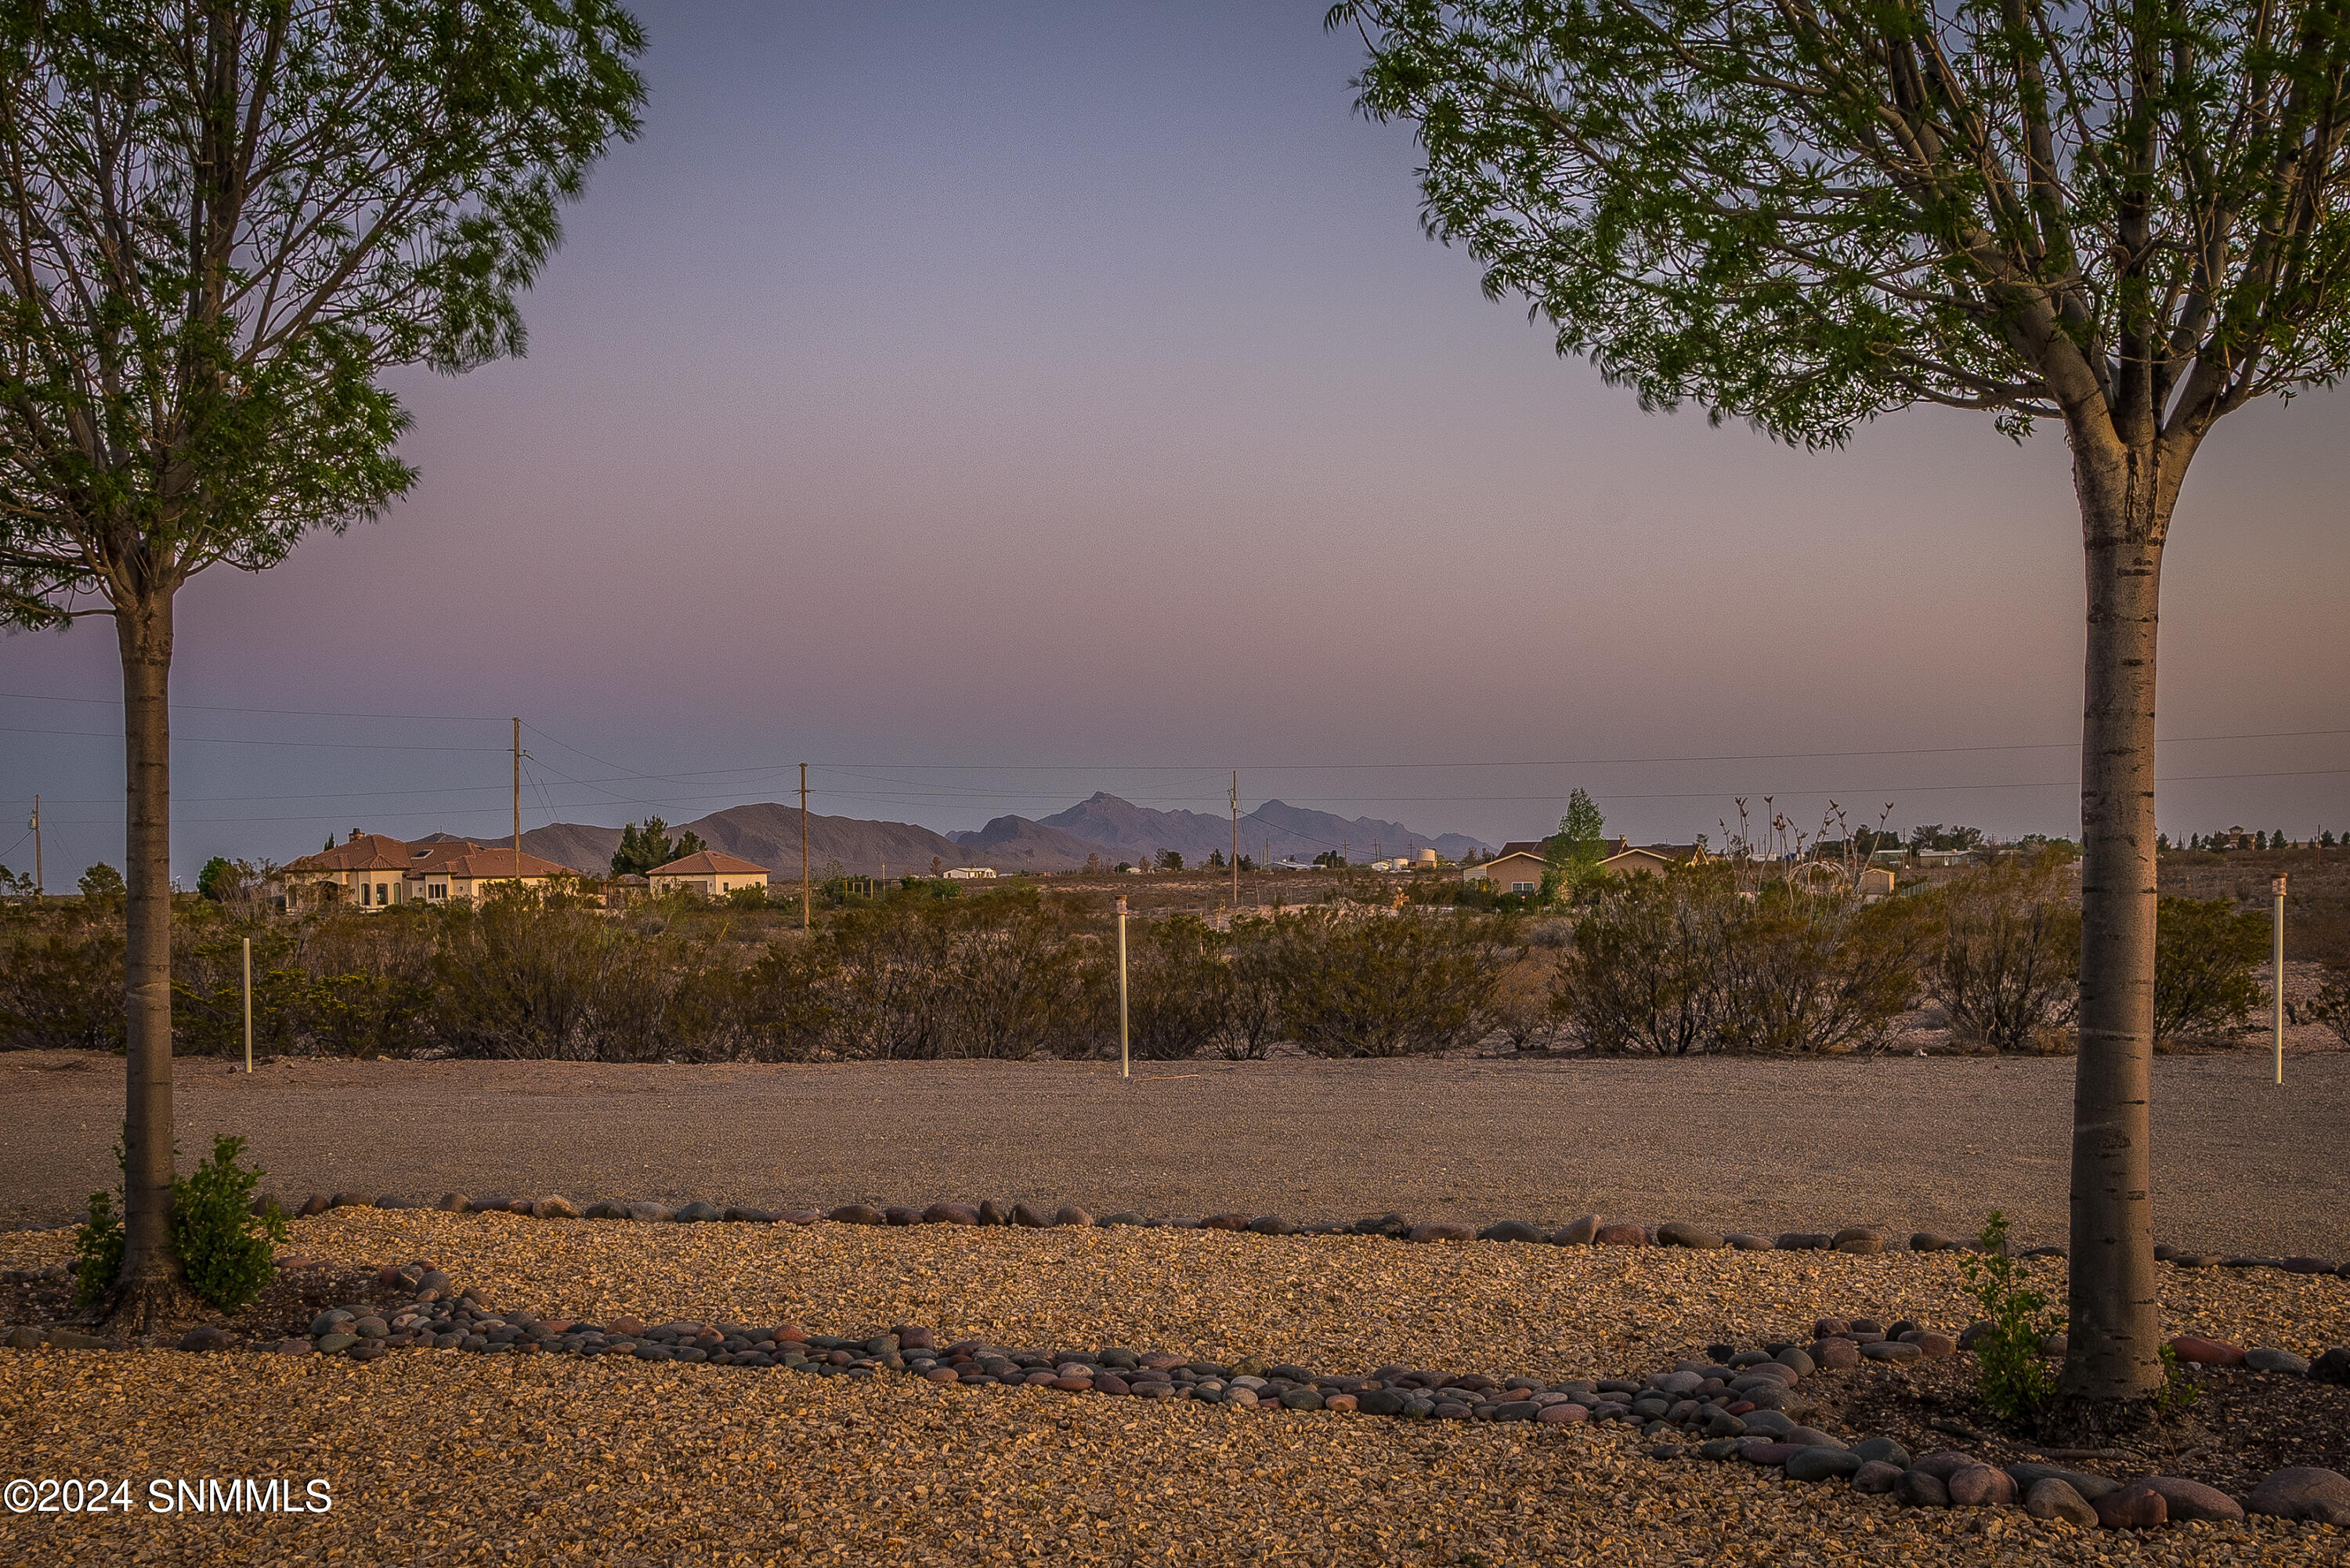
(98,1251)
(2012,1379)
(223,1244)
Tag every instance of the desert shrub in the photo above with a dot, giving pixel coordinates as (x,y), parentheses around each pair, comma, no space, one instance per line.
(785,1000)
(1256,975)
(2331,1006)
(2204,954)
(1389,983)
(225,1247)
(1689,963)
(1180,989)
(919,978)
(516,976)
(2010,1373)
(61,978)
(2005,955)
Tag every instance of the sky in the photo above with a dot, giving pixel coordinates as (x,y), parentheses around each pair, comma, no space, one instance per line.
(986,404)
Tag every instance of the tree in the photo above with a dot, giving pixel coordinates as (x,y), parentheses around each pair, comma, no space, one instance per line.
(219,223)
(1170,860)
(1571,856)
(2127,218)
(101,881)
(642,848)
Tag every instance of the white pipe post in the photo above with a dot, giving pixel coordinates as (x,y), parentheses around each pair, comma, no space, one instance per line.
(2277,970)
(1124,1062)
(248,1004)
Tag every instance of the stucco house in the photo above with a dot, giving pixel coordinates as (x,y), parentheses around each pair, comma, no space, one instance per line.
(366,869)
(710,872)
(463,870)
(971,873)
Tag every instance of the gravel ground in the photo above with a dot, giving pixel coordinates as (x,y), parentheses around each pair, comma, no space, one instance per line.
(1769,1146)
(451,1458)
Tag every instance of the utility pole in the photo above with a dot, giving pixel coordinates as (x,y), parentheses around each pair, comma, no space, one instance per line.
(39,890)
(803,869)
(248,1004)
(518,799)
(1236,841)
(1125,1064)
(2277,970)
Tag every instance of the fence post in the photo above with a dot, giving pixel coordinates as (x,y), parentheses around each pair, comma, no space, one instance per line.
(2277,970)
(248,1004)
(1125,1064)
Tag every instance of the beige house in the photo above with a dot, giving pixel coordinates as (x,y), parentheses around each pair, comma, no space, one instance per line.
(712,872)
(462,870)
(1519,868)
(366,869)
(971,873)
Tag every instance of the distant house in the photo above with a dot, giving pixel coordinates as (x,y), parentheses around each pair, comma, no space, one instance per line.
(712,872)
(625,889)
(1519,868)
(368,870)
(462,870)
(1876,881)
(971,873)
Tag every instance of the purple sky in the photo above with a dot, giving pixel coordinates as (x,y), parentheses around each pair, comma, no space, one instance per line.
(1064,397)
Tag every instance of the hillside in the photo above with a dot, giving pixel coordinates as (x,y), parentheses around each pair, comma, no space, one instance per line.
(769,834)
(1125,831)
(1017,843)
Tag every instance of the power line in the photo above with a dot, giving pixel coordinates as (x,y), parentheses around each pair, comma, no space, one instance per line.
(226,741)
(283,712)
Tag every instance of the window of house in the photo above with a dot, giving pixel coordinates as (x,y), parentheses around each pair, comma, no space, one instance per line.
(1522,887)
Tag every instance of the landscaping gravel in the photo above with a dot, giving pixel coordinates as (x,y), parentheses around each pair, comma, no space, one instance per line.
(471,1457)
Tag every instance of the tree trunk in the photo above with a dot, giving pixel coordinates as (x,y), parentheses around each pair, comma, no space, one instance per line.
(151,1291)
(2113,1362)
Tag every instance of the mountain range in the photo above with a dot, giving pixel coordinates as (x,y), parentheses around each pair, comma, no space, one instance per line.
(1102,825)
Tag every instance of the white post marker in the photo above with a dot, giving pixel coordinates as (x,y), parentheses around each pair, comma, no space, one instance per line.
(2277,970)
(1125,1065)
(248,1004)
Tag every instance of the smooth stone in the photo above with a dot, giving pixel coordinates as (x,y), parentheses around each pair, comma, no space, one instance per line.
(1771,1421)
(1979,1486)
(1747,1241)
(1443,1230)
(2306,1265)
(74,1339)
(1576,1232)
(1225,1223)
(1380,1402)
(1935,1346)
(2332,1366)
(2053,1499)
(1838,1354)
(2054,1345)
(1301,1399)
(1795,1361)
(854,1214)
(329,1322)
(1271,1225)
(2268,1358)
(1876,1477)
(1339,1403)
(1031,1218)
(1719,1449)
(1070,1214)
(390,1201)
(1681,1233)
(991,1213)
(318,1203)
(1894,1352)
(737,1214)
(651,1213)
(453,1203)
(2088,1488)
(1929,1242)
(605,1209)
(2197,1351)
(899,1214)
(1124,1217)
(699,1213)
(1883,1451)
(1558,1415)
(1803,1242)
(2132,1507)
(1765,1451)
(1861,1240)
(2305,1492)
(329,1344)
(204,1338)
(554,1207)
(1621,1236)
(1811,1438)
(1818,1463)
(1943,1463)
(1921,1488)
(1510,1230)
(2190,1500)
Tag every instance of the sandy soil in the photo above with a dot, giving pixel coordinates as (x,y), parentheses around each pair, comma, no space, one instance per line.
(1909,1143)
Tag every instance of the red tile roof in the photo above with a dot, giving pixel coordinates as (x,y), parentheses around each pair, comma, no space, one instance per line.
(710,863)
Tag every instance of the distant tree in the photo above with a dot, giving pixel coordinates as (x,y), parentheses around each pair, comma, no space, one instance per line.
(1248,863)
(1571,856)
(2162,843)
(2326,839)
(2129,220)
(222,878)
(642,848)
(2277,840)
(1170,860)
(937,866)
(2261,839)
(101,881)
(1332,859)
(15,881)
(1093,864)
(1216,859)
(220,223)
(1125,866)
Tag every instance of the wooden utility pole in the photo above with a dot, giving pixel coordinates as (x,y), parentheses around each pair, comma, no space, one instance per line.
(1236,841)
(518,799)
(804,866)
(2277,972)
(39,889)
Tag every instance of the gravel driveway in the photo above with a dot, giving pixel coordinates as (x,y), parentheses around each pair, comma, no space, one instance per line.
(1906,1142)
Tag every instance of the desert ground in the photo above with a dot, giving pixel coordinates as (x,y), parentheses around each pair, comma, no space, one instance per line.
(1907,1143)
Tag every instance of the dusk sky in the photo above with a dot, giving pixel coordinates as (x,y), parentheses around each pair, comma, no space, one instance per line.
(989,404)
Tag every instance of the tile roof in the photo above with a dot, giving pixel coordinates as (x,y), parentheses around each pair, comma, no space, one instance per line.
(478,863)
(710,863)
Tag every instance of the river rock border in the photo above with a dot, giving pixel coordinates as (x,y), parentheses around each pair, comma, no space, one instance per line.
(1738,1403)
(1590,1229)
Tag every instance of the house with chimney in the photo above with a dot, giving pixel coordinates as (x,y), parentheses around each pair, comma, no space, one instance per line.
(712,872)
(375,871)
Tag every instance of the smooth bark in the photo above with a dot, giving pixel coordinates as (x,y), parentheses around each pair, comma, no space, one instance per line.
(150,1291)
(2113,1360)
